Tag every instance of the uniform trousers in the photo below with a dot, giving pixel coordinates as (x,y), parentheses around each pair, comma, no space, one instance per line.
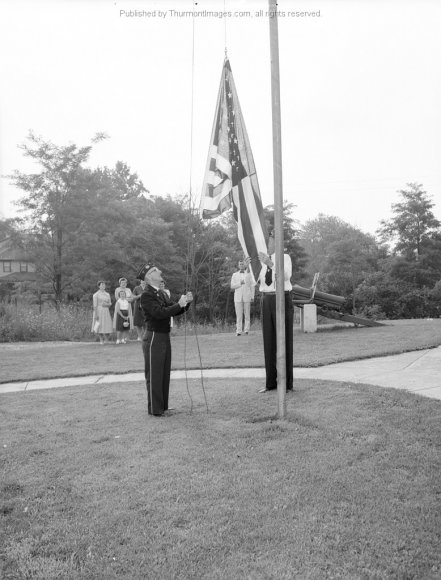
(270,339)
(242,308)
(157,357)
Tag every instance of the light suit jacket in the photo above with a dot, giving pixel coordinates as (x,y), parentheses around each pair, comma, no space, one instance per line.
(243,292)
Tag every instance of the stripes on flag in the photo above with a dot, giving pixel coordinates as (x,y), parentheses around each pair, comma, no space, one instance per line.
(230,175)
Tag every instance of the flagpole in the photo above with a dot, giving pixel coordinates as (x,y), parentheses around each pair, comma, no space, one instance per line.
(278,210)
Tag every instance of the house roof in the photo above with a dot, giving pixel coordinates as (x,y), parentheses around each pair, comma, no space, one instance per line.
(10,252)
(19,277)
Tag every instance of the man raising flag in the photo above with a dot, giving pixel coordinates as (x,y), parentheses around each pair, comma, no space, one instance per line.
(230,176)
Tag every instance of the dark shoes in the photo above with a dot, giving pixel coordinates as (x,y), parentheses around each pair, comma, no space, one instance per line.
(166,412)
(265,390)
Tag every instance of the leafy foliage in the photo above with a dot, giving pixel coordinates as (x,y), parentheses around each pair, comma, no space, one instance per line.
(413,222)
(378,283)
(80,225)
(55,207)
(291,235)
(341,253)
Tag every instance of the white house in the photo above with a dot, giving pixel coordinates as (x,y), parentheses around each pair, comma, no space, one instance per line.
(15,264)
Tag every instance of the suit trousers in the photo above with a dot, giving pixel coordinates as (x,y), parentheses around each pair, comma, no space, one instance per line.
(242,308)
(270,339)
(157,358)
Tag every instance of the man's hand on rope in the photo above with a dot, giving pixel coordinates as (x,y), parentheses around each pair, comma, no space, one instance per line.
(185,299)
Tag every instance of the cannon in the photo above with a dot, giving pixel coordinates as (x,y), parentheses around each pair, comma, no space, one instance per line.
(313,296)
(327,305)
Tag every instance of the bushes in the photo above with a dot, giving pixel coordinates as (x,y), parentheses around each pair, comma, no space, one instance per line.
(25,322)
(382,296)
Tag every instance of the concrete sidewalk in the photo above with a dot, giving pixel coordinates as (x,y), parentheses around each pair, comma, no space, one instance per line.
(417,371)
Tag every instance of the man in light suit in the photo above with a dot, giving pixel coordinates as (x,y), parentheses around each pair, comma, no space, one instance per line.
(242,282)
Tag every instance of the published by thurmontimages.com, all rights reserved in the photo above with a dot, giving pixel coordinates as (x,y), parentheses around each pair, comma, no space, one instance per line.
(171,13)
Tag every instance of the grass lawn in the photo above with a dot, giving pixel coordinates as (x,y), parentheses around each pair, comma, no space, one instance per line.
(31,361)
(347,487)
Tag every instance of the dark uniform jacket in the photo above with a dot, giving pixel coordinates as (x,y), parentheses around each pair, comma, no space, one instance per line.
(158,309)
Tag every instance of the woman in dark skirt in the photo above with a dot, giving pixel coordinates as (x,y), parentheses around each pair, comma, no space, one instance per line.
(122,318)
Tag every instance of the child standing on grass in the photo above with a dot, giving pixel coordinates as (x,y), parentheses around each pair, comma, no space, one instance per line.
(122,319)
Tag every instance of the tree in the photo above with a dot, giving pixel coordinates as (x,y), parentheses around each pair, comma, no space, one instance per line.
(54,205)
(86,223)
(124,230)
(343,254)
(317,236)
(181,222)
(214,253)
(378,296)
(416,235)
(8,228)
(413,222)
(291,234)
(381,295)
(350,260)
(119,183)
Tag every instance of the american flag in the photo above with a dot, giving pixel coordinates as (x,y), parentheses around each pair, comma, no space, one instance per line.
(230,175)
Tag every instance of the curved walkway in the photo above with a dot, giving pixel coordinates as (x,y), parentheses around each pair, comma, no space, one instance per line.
(417,371)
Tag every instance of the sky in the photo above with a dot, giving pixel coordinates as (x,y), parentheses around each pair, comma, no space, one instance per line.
(360,93)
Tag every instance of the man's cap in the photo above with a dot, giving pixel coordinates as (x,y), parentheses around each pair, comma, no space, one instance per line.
(143,270)
(122,280)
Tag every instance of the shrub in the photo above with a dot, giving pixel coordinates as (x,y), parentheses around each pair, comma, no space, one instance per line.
(372,311)
(26,322)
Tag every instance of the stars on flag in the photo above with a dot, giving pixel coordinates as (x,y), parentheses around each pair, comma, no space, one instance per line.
(235,158)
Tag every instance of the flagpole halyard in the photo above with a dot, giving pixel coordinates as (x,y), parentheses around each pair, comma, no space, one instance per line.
(278,210)
(225,32)
(189,266)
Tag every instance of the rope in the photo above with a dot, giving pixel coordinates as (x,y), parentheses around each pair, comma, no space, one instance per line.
(187,276)
(225,31)
(190,244)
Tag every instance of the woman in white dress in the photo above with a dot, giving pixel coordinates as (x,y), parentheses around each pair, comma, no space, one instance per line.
(102,321)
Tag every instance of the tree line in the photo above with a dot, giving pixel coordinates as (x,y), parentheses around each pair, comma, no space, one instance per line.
(80,225)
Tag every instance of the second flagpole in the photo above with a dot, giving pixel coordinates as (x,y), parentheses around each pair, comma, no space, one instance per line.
(278,210)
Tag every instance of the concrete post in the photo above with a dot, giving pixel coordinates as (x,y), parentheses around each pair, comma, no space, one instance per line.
(309,318)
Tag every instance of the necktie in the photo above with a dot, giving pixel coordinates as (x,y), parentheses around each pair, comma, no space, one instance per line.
(164,297)
(268,276)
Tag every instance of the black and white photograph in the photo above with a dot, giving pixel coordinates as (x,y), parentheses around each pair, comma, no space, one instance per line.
(220,289)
